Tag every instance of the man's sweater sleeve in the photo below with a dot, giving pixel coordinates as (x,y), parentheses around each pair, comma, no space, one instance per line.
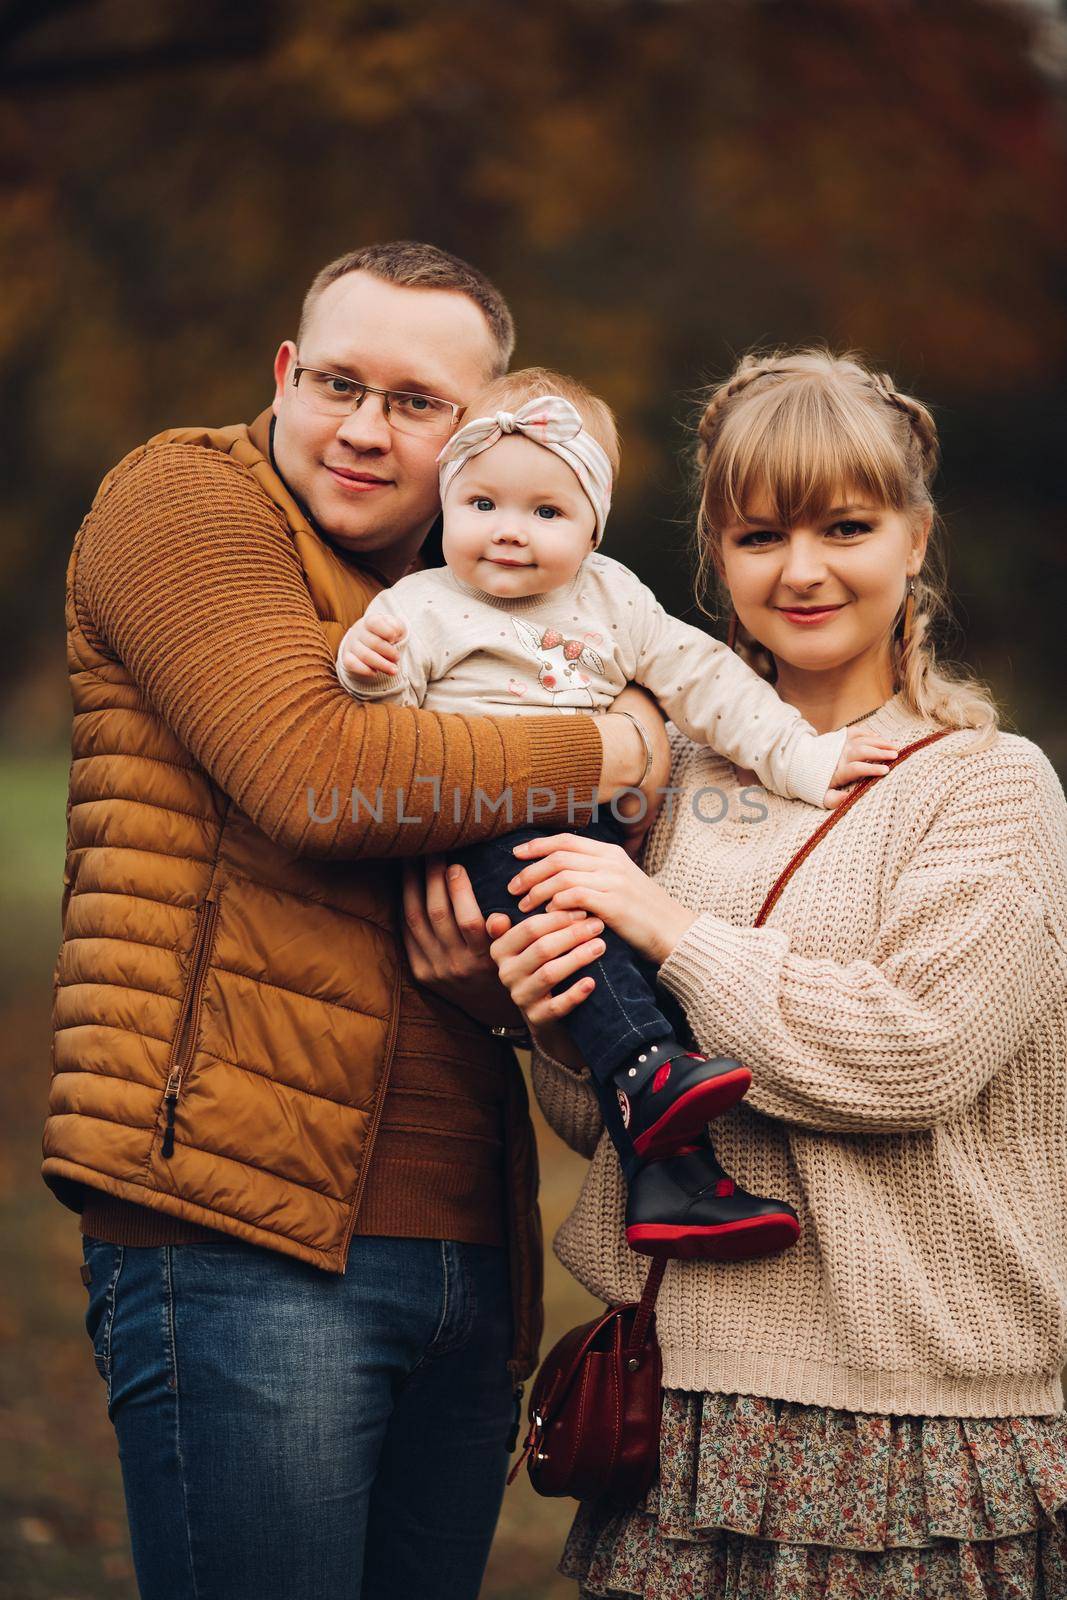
(186,573)
(967,956)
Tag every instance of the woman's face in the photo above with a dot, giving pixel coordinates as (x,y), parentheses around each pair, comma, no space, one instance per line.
(822,595)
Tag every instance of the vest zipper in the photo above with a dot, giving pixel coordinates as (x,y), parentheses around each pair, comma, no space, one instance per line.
(186,1034)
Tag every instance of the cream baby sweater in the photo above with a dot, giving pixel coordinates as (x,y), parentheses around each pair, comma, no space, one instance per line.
(904,1014)
(574,649)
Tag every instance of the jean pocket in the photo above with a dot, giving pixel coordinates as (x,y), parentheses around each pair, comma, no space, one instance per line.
(104,1263)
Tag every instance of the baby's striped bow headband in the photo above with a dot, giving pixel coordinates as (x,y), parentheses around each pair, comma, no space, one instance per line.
(548,420)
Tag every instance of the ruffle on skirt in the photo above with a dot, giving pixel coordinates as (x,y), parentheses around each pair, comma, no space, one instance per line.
(766,1500)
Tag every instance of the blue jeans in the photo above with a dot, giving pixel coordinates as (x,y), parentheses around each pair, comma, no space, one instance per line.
(288,1434)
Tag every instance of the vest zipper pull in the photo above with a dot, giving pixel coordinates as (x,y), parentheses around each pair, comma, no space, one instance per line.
(174,1083)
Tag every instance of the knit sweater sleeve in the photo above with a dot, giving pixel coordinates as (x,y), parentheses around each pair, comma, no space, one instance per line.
(568,1101)
(185,572)
(969,953)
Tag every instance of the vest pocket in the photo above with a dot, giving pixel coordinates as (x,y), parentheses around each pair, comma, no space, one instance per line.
(189,1019)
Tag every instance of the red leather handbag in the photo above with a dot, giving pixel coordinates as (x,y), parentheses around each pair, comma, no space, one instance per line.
(595,1404)
(595,1407)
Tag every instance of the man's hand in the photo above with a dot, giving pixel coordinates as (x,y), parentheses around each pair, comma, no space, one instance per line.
(447,945)
(371,646)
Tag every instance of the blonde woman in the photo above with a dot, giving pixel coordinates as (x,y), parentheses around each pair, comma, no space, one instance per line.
(876,1412)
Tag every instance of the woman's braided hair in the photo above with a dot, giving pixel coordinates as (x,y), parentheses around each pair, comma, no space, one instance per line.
(798,426)
(922,449)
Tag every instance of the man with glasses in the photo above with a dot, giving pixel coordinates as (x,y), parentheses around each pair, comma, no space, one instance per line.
(307,1182)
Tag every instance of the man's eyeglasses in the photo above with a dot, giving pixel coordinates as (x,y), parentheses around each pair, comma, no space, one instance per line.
(331,395)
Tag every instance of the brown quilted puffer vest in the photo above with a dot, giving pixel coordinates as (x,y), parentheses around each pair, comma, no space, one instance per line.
(204,1063)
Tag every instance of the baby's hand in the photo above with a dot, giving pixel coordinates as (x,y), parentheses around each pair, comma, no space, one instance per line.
(864,756)
(371,645)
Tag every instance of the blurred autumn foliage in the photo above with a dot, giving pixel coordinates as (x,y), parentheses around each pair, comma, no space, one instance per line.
(655,185)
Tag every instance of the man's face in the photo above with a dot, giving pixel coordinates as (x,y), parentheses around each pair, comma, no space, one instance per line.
(368,486)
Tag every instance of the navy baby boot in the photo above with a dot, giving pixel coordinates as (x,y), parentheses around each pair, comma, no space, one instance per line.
(667,1094)
(686,1205)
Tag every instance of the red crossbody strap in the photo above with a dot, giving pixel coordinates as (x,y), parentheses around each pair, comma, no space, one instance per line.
(647,1304)
(835,816)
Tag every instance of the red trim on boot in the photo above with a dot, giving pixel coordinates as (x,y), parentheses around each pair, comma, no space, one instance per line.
(691,1111)
(726,1241)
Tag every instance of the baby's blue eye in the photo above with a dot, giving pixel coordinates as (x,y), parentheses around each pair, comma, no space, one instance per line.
(483,503)
(548,512)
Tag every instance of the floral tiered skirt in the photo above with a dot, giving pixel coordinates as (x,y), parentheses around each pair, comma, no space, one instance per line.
(766,1500)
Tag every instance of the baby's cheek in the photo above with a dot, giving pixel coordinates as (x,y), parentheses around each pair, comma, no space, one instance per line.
(455,533)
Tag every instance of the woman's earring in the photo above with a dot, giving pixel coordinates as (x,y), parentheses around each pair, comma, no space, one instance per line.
(909,615)
(731,632)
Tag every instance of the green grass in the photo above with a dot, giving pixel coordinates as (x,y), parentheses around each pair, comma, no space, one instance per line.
(62,1520)
(33,805)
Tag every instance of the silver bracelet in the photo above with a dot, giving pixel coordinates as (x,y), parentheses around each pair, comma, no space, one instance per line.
(645,740)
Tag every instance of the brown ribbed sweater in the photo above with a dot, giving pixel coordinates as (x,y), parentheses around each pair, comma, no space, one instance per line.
(208,608)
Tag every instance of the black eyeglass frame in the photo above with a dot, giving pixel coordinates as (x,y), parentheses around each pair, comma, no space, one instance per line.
(364,389)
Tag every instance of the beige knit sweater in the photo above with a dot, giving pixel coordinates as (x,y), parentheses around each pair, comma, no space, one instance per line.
(904,1014)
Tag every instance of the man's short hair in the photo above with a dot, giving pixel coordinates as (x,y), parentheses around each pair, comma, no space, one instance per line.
(413,265)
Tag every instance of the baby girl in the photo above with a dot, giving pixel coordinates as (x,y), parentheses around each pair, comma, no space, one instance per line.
(527,615)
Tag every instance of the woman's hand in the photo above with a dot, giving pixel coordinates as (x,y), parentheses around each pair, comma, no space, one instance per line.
(447,945)
(535,955)
(566,872)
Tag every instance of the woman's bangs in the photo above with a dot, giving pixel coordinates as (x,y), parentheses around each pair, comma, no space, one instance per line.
(796,453)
